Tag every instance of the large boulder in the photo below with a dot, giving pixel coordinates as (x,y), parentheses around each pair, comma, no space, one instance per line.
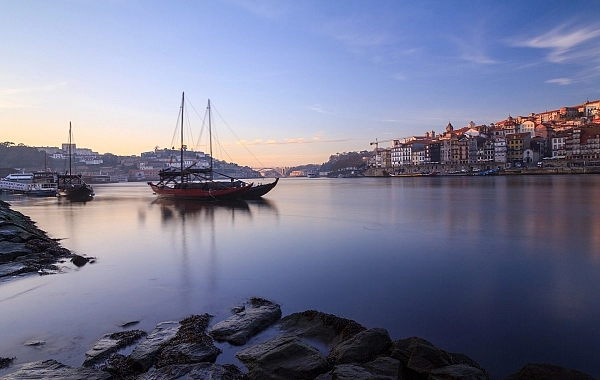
(201,371)
(285,357)
(51,369)
(419,355)
(321,327)
(249,321)
(422,357)
(190,345)
(144,353)
(383,368)
(362,347)
(109,344)
(548,371)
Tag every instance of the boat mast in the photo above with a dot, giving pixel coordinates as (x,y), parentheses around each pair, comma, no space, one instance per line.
(181,162)
(69,149)
(210,141)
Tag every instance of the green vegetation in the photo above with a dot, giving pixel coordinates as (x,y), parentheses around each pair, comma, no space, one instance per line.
(20,156)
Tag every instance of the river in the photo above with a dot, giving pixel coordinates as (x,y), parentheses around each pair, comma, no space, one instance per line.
(504,269)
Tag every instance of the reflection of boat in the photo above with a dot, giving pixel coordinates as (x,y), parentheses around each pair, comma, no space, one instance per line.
(190,207)
(72,186)
(196,183)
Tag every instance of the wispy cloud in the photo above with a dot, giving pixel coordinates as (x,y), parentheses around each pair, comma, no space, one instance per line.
(319,109)
(21,97)
(22,90)
(563,40)
(292,141)
(399,76)
(561,81)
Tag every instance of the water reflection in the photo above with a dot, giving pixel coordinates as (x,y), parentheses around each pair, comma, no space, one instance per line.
(183,208)
(504,269)
(180,208)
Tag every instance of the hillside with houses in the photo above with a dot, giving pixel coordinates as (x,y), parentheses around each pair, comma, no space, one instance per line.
(569,136)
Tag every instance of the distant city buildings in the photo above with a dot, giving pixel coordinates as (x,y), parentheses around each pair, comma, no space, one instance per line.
(571,133)
(132,168)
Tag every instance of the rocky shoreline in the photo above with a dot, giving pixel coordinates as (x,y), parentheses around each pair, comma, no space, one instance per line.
(307,345)
(187,350)
(24,248)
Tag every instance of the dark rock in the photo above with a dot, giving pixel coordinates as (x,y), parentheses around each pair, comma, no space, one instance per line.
(144,353)
(238,309)
(325,328)
(79,261)
(51,369)
(187,353)
(34,343)
(548,372)
(183,343)
(22,241)
(129,324)
(6,362)
(284,357)
(15,233)
(383,368)
(121,367)
(201,371)
(421,357)
(11,269)
(457,372)
(109,344)
(190,345)
(362,347)
(10,251)
(238,328)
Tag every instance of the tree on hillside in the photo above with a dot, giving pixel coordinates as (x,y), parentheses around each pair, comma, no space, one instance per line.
(21,156)
(344,160)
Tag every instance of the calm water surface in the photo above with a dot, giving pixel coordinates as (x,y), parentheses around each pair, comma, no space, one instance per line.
(503,269)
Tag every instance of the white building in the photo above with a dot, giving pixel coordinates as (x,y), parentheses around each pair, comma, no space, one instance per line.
(527,126)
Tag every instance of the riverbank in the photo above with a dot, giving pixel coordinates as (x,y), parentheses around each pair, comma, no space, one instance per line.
(26,249)
(562,168)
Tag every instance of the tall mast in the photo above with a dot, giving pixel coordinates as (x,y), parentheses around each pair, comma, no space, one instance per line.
(70,148)
(182,102)
(210,141)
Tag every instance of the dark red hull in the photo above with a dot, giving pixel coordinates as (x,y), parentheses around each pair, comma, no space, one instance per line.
(208,195)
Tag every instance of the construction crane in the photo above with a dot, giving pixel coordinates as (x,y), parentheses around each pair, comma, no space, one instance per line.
(376,142)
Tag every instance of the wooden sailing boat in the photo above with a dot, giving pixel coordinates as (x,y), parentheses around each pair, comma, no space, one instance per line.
(196,183)
(72,186)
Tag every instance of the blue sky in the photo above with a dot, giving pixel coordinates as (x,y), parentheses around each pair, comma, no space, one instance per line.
(297,81)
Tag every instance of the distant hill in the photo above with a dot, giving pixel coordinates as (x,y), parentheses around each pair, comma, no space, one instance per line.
(338,162)
(20,157)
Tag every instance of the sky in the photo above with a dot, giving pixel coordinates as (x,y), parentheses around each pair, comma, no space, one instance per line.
(296,81)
